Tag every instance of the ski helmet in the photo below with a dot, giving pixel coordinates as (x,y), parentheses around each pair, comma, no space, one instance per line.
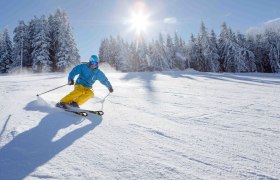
(94,60)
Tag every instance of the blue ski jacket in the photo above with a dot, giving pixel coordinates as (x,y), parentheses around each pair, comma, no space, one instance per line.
(87,76)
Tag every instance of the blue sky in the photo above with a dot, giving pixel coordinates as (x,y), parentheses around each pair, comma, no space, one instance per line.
(94,20)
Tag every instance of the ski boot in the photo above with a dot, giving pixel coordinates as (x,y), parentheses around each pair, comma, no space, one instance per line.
(74,104)
(61,105)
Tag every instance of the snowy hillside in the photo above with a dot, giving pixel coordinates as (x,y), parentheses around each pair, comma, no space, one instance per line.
(175,125)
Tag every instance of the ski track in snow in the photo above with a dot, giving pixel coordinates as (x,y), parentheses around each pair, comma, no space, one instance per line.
(169,125)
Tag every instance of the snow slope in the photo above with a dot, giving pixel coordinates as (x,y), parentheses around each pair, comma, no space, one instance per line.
(173,125)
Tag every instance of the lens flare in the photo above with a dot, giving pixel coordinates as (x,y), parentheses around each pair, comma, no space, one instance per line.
(139,22)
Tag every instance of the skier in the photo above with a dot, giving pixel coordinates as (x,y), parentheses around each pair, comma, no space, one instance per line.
(88,74)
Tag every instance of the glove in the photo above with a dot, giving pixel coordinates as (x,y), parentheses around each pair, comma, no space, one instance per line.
(71,82)
(111,90)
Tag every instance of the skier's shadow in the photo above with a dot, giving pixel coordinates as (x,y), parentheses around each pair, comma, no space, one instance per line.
(33,148)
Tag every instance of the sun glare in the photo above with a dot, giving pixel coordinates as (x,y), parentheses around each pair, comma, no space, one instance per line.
(139,22)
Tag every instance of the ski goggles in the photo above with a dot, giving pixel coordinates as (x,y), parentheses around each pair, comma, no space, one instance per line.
(93,63)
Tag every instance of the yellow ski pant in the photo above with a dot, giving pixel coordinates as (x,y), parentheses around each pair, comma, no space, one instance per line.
(80,95)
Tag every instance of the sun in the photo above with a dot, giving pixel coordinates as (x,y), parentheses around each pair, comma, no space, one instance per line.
(139,22)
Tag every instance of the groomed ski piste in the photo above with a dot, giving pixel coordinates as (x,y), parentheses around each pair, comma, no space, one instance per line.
(164,125)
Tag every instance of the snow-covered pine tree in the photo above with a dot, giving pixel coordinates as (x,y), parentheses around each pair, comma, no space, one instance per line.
(192,53)
(170,52)
(120,54)
(114,50)
(54,26)
(200,62)
(273,45)
(180,52)
(0,45)
(262,54)
(31,36)
(246,55)
(102,51)
(264,40)
(156,57)
(222,45)
(161,48)
(252,47)
(6,52)
(109,52)
(124,56)
(233,60)
(204,49)
(214,54)
(209,53)
(142,53)
(134,59)
(41,46)
(21,53)
(230,55)
(67,52)
(150,61)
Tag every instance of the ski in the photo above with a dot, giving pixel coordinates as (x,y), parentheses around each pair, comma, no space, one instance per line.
(99,113)
(80,113)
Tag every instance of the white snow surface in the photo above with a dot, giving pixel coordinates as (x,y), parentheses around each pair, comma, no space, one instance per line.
(169,125)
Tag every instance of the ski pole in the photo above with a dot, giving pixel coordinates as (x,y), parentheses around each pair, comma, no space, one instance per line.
(103,100)
(51,90)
